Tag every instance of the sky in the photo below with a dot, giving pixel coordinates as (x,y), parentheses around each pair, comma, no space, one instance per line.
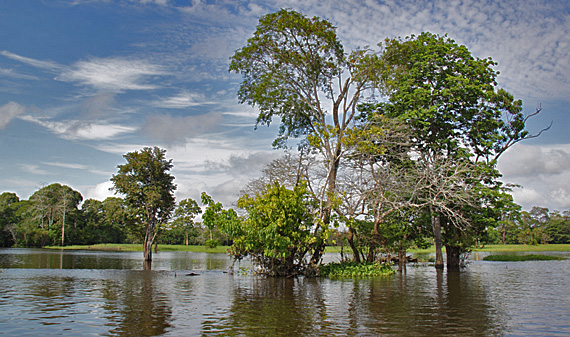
(83,82)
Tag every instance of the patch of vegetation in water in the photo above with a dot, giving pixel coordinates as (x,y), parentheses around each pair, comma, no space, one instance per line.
(529,257)
(337,270)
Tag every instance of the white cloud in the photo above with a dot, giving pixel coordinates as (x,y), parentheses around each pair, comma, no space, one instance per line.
(46,65)
(182,100)
(34,169)
(12,74)
(113,74)
(100,191)
(73,130)
(543,173)
(75,166)
(8,112)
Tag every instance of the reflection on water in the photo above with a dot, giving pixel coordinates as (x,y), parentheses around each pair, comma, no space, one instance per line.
(109,293)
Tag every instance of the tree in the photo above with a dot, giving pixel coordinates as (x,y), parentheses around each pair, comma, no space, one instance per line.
(295,68)
(51,205)
(450,100)
(216,217)
(148,188)
(276,231)
(558,227)
(8,218)
(184,215)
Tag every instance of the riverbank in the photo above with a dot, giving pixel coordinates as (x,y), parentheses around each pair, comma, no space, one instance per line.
(125,247)
(329,249)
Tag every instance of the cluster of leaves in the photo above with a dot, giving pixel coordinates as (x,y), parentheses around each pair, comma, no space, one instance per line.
(355,270)
(275,232)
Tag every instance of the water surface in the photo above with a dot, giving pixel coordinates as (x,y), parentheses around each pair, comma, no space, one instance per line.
(84,293)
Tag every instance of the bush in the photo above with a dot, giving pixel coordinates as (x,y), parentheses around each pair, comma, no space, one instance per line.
(212,243)
(354,270)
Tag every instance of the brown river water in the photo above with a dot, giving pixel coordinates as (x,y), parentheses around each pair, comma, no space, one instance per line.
(84,293)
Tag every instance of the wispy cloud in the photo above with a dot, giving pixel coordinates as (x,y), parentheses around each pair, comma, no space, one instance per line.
(75,166)
(10,73)
(104,74)
(182,100)
(34,169)
(45,65)
(8,112)
(74,130)
(113,74)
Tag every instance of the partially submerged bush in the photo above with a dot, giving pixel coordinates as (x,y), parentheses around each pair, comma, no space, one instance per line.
(354,270)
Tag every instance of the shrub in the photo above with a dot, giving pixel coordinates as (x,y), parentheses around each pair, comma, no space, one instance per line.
(355,270)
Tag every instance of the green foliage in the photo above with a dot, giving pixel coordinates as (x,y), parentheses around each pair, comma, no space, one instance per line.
(276,231)
(287,59)
(529,257)
(148,188)
(337,270)
(212,243)
(184,215)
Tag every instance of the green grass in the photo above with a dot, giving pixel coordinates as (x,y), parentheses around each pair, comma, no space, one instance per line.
(529,257)
(507,248)
(138,247)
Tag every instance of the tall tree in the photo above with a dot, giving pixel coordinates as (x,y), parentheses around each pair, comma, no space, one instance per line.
(8,218)
(148,187)
(451,101)
(295,68)
(184,215)
(51,206)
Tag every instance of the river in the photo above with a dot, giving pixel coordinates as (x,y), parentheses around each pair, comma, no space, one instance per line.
(85,293)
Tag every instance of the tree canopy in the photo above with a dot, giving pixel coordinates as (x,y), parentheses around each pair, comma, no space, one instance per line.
(148,188)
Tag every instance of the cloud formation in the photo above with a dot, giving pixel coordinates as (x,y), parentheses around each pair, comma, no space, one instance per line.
(543,173)
(8,112)
(175,130)
(113,74)
(81,130)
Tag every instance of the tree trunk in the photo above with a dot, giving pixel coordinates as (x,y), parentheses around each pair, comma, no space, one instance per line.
(401,259)
(331,189)
(436,224)
(147,244)
(453,258)
(355,252)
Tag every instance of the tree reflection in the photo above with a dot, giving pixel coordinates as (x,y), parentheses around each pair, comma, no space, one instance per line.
(141,308)
(456,304)
(272,307)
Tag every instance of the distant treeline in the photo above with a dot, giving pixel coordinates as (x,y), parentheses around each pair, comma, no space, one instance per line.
(57,212)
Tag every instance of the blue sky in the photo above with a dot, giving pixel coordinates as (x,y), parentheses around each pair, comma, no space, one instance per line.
(83,82)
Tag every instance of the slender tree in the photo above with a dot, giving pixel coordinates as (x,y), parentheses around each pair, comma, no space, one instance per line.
(184,215)
(148,187)
(295,68)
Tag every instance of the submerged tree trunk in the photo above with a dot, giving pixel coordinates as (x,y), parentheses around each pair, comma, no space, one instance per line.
(436,225)
(401,259)
(147,244)
(453,258)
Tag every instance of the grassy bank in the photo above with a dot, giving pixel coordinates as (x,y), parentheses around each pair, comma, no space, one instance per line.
(515,258)
(115,247)
(507,248)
